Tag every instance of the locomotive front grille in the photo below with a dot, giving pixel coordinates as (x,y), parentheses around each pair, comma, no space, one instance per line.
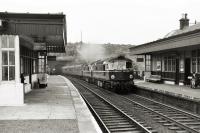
(121,76)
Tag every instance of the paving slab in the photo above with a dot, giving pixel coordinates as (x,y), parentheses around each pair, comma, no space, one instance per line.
(39,126)
(83,115)
(58,108)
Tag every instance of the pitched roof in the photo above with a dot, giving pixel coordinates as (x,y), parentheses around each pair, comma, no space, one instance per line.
(185,30)
(174,39)
(28,15)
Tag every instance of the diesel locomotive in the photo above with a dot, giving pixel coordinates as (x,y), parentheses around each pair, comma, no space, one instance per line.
(115,74)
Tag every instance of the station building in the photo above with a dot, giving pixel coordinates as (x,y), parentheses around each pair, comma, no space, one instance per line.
(28,43)
(174,57)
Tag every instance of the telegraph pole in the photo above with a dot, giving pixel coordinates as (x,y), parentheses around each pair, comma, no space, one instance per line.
(81,37)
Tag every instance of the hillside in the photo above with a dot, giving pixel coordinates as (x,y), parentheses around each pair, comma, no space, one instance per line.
(82,52)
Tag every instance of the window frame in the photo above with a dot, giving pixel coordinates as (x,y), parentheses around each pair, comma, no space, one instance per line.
(195,61)
(169,64)
(8,49)
(148,66)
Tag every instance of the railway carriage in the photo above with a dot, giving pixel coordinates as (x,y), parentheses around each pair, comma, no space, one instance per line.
(74,70)
(114,73)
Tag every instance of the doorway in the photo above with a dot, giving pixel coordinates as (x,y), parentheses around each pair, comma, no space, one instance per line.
(187,70)
(177,72)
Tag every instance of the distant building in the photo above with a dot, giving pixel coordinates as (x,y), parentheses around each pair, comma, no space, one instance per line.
(175,56)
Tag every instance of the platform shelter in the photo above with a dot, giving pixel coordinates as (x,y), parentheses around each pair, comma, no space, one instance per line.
(27,41)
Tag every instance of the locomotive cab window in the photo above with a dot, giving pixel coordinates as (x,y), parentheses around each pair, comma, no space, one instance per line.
(128,65)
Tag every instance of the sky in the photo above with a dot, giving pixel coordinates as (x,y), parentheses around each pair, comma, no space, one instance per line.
(113,21)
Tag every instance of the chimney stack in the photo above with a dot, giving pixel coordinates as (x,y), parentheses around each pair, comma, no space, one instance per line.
(184,21)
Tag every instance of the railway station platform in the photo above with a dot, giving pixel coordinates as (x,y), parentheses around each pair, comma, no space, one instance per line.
(175,90)
(58,108)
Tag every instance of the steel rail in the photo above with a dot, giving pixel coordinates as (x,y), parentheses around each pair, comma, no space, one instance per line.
(102,124)
(116,108)
(168,106)
(185,127)
(166,117)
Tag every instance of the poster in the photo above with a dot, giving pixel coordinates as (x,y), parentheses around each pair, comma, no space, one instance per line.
(158,65)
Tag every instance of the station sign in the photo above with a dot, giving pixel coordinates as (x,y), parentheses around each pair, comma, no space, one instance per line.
(39,46)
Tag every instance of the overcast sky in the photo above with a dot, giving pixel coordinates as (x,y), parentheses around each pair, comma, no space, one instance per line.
(114,21)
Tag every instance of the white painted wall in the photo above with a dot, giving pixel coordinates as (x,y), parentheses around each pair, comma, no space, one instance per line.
(11,92)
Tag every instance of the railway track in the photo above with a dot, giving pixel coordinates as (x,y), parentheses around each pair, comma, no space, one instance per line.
(110,117)
(170,118)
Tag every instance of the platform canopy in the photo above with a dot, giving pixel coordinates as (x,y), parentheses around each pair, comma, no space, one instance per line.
(46,31)
(187,37)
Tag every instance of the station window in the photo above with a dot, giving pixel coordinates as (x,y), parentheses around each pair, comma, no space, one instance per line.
(156,63)
(42,62)
(169,64)
(196,61)
(28,61)
(34,66)
(8,59)
(148,62)
(41,65)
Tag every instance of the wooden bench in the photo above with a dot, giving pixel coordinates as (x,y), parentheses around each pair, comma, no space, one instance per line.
(154,78)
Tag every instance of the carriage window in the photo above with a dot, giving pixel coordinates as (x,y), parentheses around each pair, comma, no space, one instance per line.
(104,67)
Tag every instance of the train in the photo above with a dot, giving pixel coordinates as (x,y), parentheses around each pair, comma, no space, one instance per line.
(114,74)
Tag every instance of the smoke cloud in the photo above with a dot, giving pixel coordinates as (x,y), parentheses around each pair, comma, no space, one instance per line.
(91,52)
